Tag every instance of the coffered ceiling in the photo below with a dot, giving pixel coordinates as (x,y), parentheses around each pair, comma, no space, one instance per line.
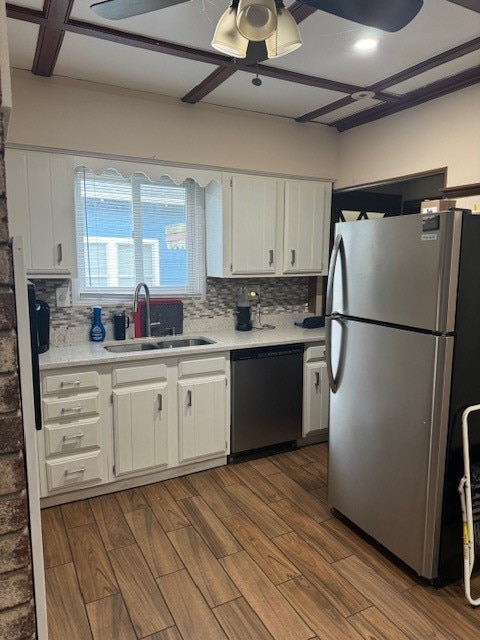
(168,52)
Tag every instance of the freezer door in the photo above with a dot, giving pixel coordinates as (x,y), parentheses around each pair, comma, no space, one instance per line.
(401,270)
(388,426)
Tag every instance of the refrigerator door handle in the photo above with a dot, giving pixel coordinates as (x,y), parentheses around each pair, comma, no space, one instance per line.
(331,274)
(333,383)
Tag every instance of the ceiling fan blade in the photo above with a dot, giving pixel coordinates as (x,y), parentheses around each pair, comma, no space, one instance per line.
(119,9)
(392,15)
(256,52)
(474,5)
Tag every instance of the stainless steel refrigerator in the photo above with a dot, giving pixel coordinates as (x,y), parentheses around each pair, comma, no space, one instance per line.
(403,357)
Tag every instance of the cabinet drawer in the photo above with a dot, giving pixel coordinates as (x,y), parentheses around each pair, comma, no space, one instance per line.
(315,353)
(71,437)
(70,407)
(70,382)
(202,365)
(74,470)
(145,373)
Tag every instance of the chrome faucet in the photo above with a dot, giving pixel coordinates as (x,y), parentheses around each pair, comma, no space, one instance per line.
(148,329)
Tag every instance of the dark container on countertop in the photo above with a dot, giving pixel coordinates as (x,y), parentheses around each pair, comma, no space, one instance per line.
(121,322)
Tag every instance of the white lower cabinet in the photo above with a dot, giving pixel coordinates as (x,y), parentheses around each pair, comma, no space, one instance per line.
(71,443)
(202,417)
(141,428)
(136,419)
(140,417)
(203,407)
(316,392)
(169,413)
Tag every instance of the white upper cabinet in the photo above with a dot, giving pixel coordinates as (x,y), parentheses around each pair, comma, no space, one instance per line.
(307,225)
(266,226)
(254,224)
(41,209)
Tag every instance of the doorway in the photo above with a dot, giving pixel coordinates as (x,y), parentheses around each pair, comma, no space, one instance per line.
(401,196)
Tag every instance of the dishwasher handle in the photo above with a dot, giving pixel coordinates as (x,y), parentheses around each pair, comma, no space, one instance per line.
(258,353)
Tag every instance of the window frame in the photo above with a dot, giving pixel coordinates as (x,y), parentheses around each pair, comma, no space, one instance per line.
(194,224)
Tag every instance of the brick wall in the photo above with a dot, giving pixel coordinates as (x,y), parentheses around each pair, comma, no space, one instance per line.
(17,618)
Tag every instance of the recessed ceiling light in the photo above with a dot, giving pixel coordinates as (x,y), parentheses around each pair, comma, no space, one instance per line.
(366,44)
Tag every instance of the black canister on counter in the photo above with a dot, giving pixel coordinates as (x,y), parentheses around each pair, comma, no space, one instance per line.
(121,322)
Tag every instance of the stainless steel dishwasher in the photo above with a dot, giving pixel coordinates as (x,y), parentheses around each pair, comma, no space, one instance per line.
(267,385)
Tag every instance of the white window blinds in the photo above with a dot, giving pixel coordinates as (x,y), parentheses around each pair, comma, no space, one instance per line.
(132,230)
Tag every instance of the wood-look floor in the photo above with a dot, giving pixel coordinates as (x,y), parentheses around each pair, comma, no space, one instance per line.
(245,552)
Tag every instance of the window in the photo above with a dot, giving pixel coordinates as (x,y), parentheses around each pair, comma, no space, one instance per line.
(132,230)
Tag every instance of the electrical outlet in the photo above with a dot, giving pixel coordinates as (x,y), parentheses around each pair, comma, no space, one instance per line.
(62,295)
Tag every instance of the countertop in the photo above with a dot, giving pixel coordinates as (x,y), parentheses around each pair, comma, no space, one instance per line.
(94,353)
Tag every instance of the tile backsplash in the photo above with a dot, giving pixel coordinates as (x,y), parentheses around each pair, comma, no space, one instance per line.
(277,295)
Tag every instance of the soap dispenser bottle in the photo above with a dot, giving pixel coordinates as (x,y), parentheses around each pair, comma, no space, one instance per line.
(97,330)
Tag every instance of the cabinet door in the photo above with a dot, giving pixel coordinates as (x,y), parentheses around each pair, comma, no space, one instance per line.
(307,215)
(41,209)
(141,428)
(254,215)
(63,216)
(315,398)
(202,417)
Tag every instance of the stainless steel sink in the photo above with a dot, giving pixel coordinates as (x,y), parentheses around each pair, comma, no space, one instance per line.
(138,346)
(182,342)
(171,343)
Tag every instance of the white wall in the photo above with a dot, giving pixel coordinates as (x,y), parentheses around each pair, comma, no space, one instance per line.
(83,116)
(441,133)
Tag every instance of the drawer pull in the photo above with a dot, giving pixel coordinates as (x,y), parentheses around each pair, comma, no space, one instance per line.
(70,383)
(74,437)
(72,409)
(74,471)
(317,379)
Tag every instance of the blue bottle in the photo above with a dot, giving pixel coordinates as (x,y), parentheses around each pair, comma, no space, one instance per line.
(97,330)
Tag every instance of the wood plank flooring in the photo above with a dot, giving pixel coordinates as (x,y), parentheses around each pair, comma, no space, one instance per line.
(246,552)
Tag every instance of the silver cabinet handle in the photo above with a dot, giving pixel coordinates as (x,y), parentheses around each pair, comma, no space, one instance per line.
(293,257)
(270,258)
(160,402)
(317,379)
(75,437)
(71,473)
(72,409)
(70,383)
(189,398)
(59,253)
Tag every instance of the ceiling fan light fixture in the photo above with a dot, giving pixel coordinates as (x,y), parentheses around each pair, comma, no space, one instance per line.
(286,38)
(256,19)
(227,38)
(366,44)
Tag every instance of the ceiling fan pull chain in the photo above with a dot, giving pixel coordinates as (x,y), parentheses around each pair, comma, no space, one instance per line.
(257,82)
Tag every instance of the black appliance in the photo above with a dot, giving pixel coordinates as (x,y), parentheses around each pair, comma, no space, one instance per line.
(267,391)
(38,318)
(42,311)
(244,319)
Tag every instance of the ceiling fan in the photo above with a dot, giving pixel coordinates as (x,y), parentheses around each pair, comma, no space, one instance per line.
(388,16)
(253,29)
